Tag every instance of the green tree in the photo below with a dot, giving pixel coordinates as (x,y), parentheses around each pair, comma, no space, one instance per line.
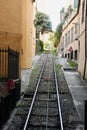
(69,9)
(68,12)
(42,23)
(39,46)
(51,37)
(57,34)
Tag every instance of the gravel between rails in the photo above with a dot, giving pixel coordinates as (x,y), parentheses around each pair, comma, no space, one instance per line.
(71,119)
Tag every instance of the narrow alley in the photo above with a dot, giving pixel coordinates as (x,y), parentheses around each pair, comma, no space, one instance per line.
(43,65)
(71,93)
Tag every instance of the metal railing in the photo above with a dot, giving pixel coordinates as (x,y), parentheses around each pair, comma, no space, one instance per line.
(9,64)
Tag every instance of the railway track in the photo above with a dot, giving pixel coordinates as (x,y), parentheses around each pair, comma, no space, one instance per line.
(45,111)
(40,108)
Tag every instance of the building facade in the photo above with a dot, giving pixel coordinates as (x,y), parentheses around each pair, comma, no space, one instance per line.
(73,43)
(28,34)
(82,66)
(17,30)
(69,42)
(10,23)
(17,42)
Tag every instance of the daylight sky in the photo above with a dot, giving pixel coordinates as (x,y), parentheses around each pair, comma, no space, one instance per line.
(52,9)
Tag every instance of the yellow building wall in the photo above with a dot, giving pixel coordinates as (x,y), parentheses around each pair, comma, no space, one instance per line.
(34,41)
(27,45)
(10,23)
(10,16)
(34,31)
(17,30)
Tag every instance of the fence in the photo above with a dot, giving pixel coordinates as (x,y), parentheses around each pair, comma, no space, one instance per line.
(9,69)
(9,64)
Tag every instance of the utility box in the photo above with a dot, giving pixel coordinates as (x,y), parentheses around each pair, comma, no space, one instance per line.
(17,89)
(15,93)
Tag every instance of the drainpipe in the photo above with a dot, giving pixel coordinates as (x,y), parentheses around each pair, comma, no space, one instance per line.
(85,45)
(85,102)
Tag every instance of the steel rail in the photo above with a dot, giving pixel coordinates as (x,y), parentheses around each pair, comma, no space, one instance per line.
(47,114)
(29,112)
(58,100)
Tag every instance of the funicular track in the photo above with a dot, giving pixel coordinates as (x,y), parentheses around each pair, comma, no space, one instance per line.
(39,108)
(45,111)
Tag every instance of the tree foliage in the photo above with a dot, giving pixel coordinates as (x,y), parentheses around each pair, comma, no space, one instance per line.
(57,34)
(68,12)
(42,23)
(69,9)
(51,37)
(39,46)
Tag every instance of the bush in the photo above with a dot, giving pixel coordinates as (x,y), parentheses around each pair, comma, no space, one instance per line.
(39,46)
(73,64)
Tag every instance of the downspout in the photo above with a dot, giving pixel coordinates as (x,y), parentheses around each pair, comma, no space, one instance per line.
(85,45)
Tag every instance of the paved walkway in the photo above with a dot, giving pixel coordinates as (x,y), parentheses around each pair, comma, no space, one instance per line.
(77,86)
(25,74)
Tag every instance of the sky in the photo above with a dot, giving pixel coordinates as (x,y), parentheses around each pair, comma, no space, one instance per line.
(52,9)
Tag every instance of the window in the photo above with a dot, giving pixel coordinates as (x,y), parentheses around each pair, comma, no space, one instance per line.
(76,30)
(76,4)
(76,55)
(66,39)
(63,42)
(71,55)
(72,34)
(83,5)
(76,26)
